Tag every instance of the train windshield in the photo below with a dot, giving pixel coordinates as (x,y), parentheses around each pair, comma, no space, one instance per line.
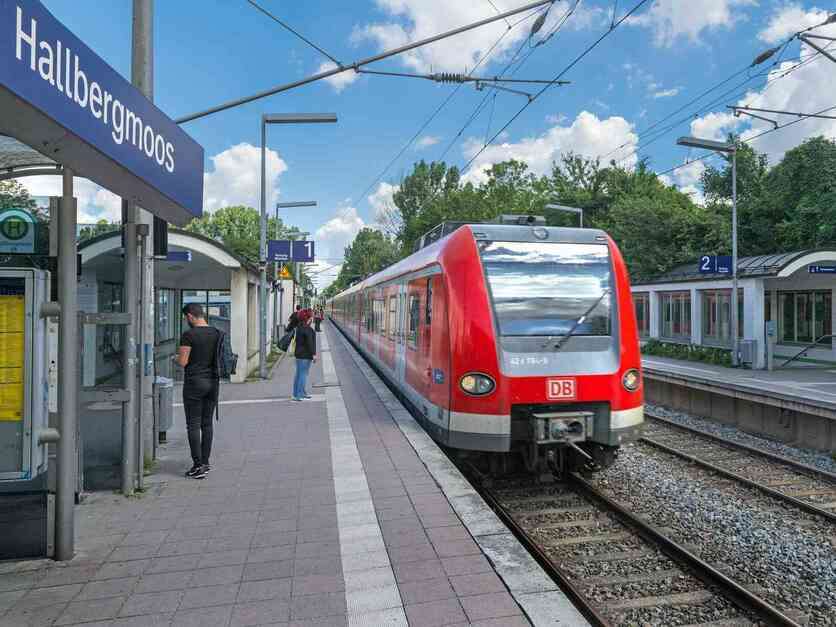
(543,289)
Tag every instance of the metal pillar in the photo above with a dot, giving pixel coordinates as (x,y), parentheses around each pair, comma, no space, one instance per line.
(276,280)
(129,354)
(262,261)
(734,322)
(142,77)
(67,375)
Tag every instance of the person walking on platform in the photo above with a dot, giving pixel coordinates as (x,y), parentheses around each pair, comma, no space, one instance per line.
(318,317)
(293,321)
(197,355)
(305,354)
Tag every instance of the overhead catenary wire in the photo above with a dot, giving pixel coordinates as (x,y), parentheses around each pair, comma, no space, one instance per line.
(704,156)
(287,26)
(557,77)
(496,8)
(442,106)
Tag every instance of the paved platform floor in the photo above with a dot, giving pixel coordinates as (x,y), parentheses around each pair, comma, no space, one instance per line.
(315,514)
(809,384)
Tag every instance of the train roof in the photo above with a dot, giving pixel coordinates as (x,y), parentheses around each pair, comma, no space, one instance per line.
(428,255)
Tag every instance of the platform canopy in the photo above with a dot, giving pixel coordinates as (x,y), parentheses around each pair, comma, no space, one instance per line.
(62,104)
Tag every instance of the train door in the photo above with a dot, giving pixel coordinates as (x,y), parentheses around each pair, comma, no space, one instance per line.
(418,371)
(400,336)
(439,347)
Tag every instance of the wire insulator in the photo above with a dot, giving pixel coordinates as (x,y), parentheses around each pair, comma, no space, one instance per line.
(449,77)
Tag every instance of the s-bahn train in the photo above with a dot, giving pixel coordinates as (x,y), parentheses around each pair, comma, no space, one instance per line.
(512,342)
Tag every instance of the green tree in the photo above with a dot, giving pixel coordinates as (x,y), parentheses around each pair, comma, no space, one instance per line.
(370,252)
(13,195)
(92,230)
(238,228)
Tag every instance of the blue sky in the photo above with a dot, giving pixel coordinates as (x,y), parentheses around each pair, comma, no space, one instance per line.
(210,51)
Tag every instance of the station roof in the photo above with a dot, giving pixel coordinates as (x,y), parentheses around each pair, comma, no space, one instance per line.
(772,265)
(15,155)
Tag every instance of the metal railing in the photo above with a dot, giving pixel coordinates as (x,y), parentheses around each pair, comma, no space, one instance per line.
(806,348)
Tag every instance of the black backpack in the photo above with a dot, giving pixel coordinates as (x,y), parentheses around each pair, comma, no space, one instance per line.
(225,360)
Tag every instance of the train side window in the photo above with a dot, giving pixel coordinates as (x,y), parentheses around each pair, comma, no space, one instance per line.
(428,315)
(414,318)
(393,316)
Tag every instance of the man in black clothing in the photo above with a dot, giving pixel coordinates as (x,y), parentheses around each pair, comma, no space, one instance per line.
(198,355)
(293,321)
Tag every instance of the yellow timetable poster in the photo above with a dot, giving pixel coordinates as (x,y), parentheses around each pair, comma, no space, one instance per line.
(12,321)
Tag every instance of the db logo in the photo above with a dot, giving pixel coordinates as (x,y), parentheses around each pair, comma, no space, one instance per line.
(560,389)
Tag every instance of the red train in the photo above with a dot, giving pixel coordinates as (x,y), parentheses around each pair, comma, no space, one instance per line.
(517,341)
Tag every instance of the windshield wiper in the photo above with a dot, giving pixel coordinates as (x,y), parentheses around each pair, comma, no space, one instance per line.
(580,321)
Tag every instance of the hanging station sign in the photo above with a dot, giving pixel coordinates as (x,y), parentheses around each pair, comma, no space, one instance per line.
(62,99)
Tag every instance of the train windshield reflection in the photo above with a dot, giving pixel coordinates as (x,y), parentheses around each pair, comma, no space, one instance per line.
(541,289)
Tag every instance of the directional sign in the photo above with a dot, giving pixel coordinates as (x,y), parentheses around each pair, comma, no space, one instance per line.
(303,251)
(278,250)
(179,256)
(819,269)
(715,264)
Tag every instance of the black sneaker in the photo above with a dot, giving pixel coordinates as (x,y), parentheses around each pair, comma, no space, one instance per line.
(201,472)
(191,472)
(207,467)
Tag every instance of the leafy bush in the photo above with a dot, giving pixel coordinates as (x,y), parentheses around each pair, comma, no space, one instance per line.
(688,352)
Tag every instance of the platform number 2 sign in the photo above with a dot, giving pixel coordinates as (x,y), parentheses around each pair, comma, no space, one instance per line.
(561,389)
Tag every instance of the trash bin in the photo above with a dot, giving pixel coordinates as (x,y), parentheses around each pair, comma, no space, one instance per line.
(164,405)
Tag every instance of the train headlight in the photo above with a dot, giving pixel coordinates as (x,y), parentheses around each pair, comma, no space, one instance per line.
(477,384)
(631,380)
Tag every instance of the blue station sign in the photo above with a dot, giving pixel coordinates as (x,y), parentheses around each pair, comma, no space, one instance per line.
(820,269)
(715,264)
(287,250)
(51,81)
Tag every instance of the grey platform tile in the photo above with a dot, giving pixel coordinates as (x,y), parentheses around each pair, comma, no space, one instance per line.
(271,554)
(373,599)
(365,545)
(42,597)
(209,595)
(394,617)
(316,566)
(448,533)
(493,605)
(173,564)
(149,620)
(477,516)
(317,584)
(317,549)
(325,621)
(151,603)
(59,576)
(107,588)
(162,582)
(418,571)
(505,621)
(551,609)
(426,590)
(369,579)
(117,570)
(87,611)
(317,605)
(265,590)
(184,547)
(466,565)
(218,575)
(435,613)
(41,617)
(206,617)
(480,583)
(515,565)
(224,558)
(365,561)
(454,548)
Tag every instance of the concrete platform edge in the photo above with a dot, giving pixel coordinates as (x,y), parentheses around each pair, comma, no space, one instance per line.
(538,596)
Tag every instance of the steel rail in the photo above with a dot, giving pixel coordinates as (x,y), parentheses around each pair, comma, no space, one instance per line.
(705,571)
(553,570)
(805,505)
(819,472)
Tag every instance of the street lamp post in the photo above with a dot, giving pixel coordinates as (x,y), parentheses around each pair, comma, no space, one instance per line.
(570,210)
(273,118)
(277,293)
(727,148)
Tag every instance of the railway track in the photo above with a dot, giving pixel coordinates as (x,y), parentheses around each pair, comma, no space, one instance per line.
(619,569)
(806,487)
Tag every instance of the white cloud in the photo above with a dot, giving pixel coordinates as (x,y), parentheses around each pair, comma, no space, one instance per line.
(236,177)
(411,20)
(94,202)
(426,141)
(381,199)
(788,20)
(588,136)
(672,19)
(687,179)
(715,126)
(666,93)
(337,233)
(338,81)
(802,90)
